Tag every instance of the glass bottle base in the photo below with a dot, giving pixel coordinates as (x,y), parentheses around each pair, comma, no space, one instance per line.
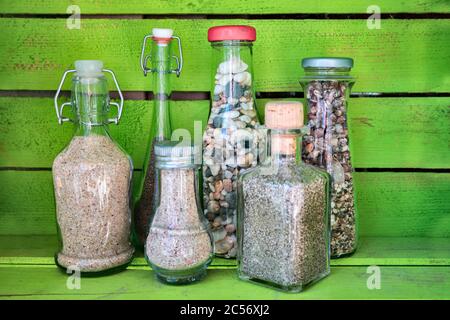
(180,277)
(294,288)
(94,266)
(343,254)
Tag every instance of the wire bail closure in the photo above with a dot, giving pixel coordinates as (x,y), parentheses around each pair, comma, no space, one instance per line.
(59,109)
(145,59)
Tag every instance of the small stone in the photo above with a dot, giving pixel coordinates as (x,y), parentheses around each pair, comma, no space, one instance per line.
(245,161)
(218,186)
(218,89)
(339,128)
(228,175)
(215,168)
(244,78)
(227,185)
(309,147)
(230,228)
(251,113)
(245,118)
(231,199)
(219,234)
(213,206)
(218,122)
(224,204)
(230,114)
(222,246)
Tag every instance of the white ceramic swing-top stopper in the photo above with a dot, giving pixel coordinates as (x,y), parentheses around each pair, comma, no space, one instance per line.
(162,33)
(89,68)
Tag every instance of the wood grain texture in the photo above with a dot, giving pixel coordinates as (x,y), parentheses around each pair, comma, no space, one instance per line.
(343,283)
(220,7)
(380,251)
(384,132)
(402,56)
(389,204)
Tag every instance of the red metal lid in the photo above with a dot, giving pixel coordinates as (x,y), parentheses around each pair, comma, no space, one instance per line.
(221,33)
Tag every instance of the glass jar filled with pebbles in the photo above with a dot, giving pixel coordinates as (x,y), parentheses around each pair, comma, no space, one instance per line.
(327,85)
(179,245)
(283,218)
(91,179)
(230,142)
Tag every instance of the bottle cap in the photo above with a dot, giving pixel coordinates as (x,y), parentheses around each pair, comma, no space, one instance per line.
(161,35)
(89,68)
(174,154)
(327,62)
(284,115)
(222,33)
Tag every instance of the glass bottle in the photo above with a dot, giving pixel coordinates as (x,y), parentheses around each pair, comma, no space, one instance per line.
(283,218)
(179,246)
(161,58)
(91,179)
(230,142)
(327,83)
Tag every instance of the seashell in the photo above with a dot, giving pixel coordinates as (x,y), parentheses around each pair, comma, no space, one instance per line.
(240,124)
(222,246)
(228,185)
(245,160)
(233,65)
(244,78)
(230,114)
(245,118)
(224,79)
(218,89)
(220,234)
(213,206)
(251,113)
(215,168)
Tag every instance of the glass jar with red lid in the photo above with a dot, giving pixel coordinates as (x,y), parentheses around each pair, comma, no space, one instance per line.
(231,141)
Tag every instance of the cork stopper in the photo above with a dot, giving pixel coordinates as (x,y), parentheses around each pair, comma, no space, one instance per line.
(284,115)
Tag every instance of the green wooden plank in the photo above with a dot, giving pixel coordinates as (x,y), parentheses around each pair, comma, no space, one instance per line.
(220,7)
(342,283)
(402,56)
(39,250)
(403,204)
(389,204)
(31,137)
(384,132)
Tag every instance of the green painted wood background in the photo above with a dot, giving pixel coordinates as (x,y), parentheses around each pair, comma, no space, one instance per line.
(399,132)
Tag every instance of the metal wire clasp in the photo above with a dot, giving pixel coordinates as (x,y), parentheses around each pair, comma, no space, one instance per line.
(59,109)
(145,59)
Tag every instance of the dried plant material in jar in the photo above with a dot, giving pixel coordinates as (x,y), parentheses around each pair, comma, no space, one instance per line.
(92,187)
(327,146)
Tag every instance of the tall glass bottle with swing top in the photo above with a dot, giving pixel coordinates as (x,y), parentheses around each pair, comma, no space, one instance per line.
(159,63)
(92,179)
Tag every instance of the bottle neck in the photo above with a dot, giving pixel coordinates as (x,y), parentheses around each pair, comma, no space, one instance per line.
(285,147)
(317,73)
(90,99)
(161,73)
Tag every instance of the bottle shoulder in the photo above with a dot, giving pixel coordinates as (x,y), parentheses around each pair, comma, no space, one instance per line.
(89,151)
(288,174)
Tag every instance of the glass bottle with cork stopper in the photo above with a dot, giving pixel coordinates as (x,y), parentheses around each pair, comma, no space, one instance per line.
(283,218)
(91,179)
(161,60)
